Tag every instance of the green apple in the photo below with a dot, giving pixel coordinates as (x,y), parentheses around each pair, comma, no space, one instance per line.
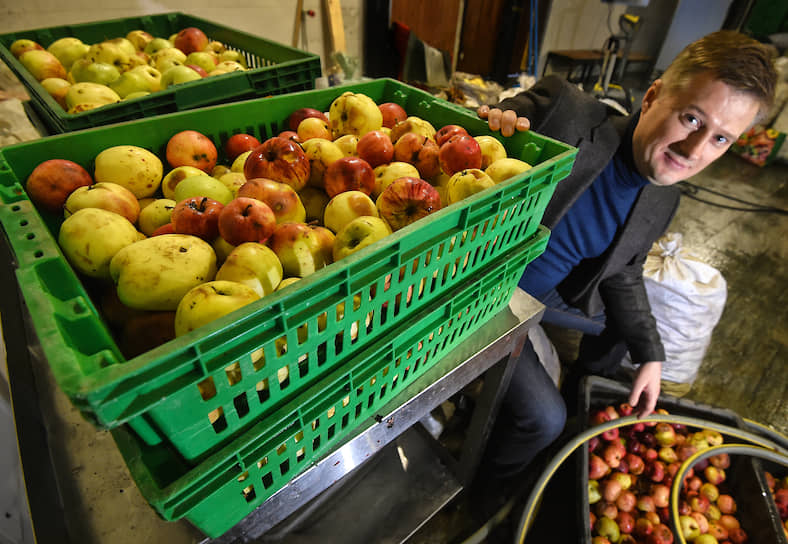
(156,45)
(466,183)
(155,273)
(107,196)
(86,92)
(222,248)
(203,185)
(209,301)
(203,59)
(139,38)
(505,168)
(358,234)
(255,265)
(233,181)
(178,74)
(166,58)
(68,50)
(91,237)
(175,176)
(225,67)
(95,72)
(124,45)
(138,79)
(154,215)
(139,94)
(133,167)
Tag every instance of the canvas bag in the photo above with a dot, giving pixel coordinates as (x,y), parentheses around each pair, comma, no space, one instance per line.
(687,297)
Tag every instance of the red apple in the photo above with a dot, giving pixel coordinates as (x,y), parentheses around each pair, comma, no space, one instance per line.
(199,69)
(625,409)
(191,148)
(246,219)
(726,504)
(729,522)
(611,489)
(661,495)
(420,151)
(281,160)
(447,131)
(460,152)
(610,434)
(51,182)
(613,454)
(239,143)
(701,519)
(626,501)
(593,443)
(290,135)
(655,471)
(392,113)
(280,197)
(660,535)
(717,530)
(198,216)
(737,536)
(721,460)
(699,503)
(597,467)
(375,147)
(300,114)
(349,174)
(190,40)
(606,510)
(407,200)
(643,527)
(167,228)
(635,463)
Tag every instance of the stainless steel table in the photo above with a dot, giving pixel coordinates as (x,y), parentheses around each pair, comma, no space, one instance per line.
(79,489)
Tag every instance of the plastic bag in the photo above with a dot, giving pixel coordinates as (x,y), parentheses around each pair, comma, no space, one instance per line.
(687,297)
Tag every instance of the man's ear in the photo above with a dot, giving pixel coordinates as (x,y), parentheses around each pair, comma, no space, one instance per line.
(651,95)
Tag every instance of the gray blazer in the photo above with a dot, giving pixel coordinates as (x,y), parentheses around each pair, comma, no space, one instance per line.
(614,280)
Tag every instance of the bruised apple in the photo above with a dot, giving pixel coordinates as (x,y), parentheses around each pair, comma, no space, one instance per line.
(51,182)
(447,131)
(358,234)
(246,219)
(299,249)
(175,176)
(191,148)
(407,200)
(252,264)
(280,198)
(420,151)
(321,153)
(197,216)
(354,113)
(413,124)
(107,196)
(386,173)
(278,159)
(349,174)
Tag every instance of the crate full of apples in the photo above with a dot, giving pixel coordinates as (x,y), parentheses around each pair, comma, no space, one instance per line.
(628,473)
(91,74)
(777,484)
(202,267)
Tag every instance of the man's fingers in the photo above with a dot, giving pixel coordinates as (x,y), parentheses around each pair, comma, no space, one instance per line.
(522,124)
(508,120)
(483,111)
(494,119)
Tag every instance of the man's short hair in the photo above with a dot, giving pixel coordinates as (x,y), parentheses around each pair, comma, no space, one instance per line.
(739,61)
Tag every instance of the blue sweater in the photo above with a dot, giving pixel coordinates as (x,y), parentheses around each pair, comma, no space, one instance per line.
(590,225)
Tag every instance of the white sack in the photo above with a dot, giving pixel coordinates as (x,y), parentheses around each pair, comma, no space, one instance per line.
(687,297)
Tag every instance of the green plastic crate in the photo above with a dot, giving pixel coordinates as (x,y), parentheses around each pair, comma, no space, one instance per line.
(160,393)
(273,69)
(228,485)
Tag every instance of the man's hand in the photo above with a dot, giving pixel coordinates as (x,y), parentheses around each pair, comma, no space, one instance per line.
(645,388)
(505,121)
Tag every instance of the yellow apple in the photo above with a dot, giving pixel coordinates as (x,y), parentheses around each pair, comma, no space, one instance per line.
(110,53)
(358,234)
(466,183)
(90,93)
(67,50)
(321,154)
(345,207)
(252,264)
(233,181)
(175,176)
(222,248)
(155,214)
(354,113)
(492,150)
(240,160)
(156,45)
(347,144)
(386,173)
(105,195)
(505,168)
(298,248)
(91,237)
(166,58)
(209,301)
(412,124)
(139,38)
(136,168)
(42,64)
(315,201)
(57,88)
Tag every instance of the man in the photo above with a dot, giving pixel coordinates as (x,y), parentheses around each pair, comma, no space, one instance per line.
(607,213)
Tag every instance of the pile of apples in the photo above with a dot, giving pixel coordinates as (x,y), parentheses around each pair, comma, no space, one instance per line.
(631,471)
(82,76)
(779,491)
(172,252)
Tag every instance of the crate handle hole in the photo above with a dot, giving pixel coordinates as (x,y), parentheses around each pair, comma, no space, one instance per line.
(233,372)
(207,388)
(217,419)
(249,493)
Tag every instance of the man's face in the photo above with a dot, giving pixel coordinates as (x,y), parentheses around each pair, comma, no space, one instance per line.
(681,132)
